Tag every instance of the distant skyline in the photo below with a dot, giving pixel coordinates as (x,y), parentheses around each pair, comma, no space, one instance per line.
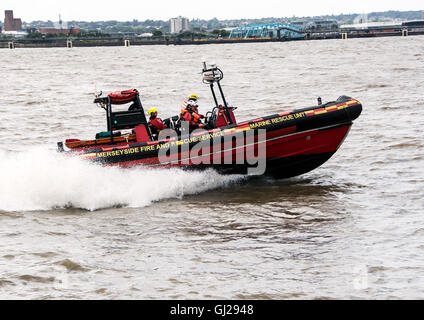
(126,10)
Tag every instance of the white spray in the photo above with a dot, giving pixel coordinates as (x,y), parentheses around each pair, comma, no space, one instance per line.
(40,179)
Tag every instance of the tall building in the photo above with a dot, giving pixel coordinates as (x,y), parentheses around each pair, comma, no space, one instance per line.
(10,23)
(178,24)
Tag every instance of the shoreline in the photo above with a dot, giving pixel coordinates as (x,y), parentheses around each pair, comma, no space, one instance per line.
(113,42)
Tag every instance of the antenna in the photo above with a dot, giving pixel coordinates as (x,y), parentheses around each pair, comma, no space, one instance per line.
(97,94)
(60,22)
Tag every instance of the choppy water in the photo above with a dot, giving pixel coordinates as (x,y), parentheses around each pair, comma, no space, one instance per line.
(352,228)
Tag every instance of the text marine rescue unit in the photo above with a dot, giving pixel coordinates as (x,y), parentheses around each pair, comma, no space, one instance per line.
(280,145)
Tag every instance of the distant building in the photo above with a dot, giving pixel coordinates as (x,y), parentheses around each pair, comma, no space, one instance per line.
(324,24)
(272,30)
(422,15)
(60,27)
(179,24)
(388,26)
(16,34)
(10,23)
(417,25)
(72,30)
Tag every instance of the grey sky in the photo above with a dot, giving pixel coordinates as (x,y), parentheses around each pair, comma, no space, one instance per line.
(124,10)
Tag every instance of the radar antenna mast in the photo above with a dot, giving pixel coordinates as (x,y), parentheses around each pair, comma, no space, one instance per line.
(210,76)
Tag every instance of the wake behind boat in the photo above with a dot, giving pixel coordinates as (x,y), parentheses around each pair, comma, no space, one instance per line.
(281,145)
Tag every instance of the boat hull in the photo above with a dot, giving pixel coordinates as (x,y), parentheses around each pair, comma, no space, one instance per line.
(287,156)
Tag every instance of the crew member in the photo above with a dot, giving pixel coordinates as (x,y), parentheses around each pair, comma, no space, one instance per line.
(190,113)
(155,123)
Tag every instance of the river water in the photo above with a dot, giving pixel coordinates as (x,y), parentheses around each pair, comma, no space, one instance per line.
(351,229)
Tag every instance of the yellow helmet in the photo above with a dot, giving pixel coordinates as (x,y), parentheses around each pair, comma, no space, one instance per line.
(151,110)
(193,97)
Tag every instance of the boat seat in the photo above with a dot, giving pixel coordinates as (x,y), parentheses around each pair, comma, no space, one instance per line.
(141,133)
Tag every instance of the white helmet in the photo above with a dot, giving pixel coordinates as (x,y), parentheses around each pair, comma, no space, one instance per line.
(192,103)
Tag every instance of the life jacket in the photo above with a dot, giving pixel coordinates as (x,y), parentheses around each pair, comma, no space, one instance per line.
(189,115)
(156,125)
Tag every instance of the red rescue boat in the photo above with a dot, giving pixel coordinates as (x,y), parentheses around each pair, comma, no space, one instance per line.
(280,145)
